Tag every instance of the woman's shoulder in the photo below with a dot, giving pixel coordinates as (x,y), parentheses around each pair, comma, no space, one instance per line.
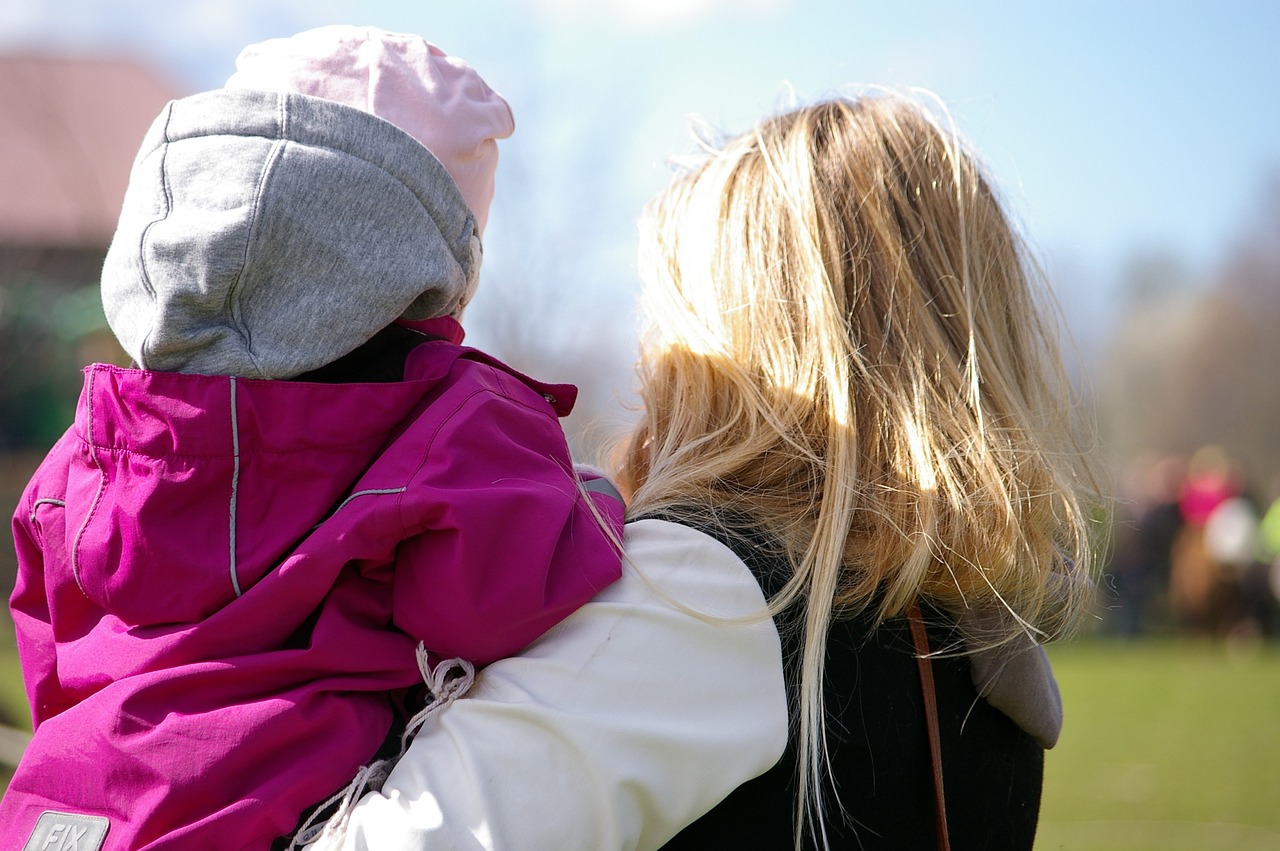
(760,553)
(684,561)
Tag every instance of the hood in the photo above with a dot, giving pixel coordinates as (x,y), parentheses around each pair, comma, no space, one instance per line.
(265,234)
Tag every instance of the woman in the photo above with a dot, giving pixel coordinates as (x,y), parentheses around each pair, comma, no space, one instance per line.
(852,398)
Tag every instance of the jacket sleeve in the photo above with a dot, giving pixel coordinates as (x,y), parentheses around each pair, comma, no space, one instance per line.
(508,541)
(629,720)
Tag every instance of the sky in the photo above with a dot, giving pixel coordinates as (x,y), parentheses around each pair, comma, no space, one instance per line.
(1113,128)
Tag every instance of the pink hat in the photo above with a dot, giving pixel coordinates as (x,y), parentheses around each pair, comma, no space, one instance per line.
(438,99)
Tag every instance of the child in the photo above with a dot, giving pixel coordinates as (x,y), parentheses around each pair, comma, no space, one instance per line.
(227,564)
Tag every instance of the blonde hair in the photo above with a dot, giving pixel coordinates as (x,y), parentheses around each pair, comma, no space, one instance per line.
(845,349)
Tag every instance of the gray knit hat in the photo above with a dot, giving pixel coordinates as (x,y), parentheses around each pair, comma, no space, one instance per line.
(265,234)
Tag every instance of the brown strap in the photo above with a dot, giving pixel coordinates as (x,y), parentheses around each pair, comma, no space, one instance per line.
(921,640)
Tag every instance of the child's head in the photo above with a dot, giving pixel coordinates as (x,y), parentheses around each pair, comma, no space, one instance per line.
(435,98)
(338,183)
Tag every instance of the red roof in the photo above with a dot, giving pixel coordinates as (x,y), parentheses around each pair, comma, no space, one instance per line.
(69,129)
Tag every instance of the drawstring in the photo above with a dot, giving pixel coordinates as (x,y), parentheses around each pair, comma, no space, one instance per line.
(447,682)
(369,777)
(444,686)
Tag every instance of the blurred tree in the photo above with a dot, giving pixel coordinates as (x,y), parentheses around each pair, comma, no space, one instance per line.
(1138,380)
(1194,362)
(51,324)
(558,283)
(1231,361)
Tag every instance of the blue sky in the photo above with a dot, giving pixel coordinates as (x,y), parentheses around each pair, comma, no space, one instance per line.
(1113,127)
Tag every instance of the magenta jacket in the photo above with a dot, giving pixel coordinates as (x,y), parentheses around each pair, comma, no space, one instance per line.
(222,582)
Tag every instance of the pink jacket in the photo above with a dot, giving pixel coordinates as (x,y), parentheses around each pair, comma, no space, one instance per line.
(222,582)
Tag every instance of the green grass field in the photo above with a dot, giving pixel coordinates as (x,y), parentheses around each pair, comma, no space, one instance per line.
(1168,746)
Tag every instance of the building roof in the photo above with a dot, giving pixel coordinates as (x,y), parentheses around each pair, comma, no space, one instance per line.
(69,129)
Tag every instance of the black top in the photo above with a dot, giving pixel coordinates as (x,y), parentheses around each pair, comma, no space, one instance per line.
(878,747)
(381,359)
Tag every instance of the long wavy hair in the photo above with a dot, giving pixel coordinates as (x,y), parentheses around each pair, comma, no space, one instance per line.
(848,346)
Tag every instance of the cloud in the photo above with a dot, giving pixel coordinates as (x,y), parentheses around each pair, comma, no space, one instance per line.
(649,15)
(41,22)
(199,37)
(18,17)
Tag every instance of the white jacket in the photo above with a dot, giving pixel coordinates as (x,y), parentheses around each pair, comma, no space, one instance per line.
(632,718)
(610,731)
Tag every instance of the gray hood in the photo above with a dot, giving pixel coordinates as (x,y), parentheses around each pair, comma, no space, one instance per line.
(265,234)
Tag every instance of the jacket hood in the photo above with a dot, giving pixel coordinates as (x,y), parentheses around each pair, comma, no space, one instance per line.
(264,234)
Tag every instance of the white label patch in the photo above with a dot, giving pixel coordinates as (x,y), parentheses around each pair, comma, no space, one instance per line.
(67,832)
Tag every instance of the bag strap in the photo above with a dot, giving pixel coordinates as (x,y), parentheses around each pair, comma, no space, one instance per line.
(920,638)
